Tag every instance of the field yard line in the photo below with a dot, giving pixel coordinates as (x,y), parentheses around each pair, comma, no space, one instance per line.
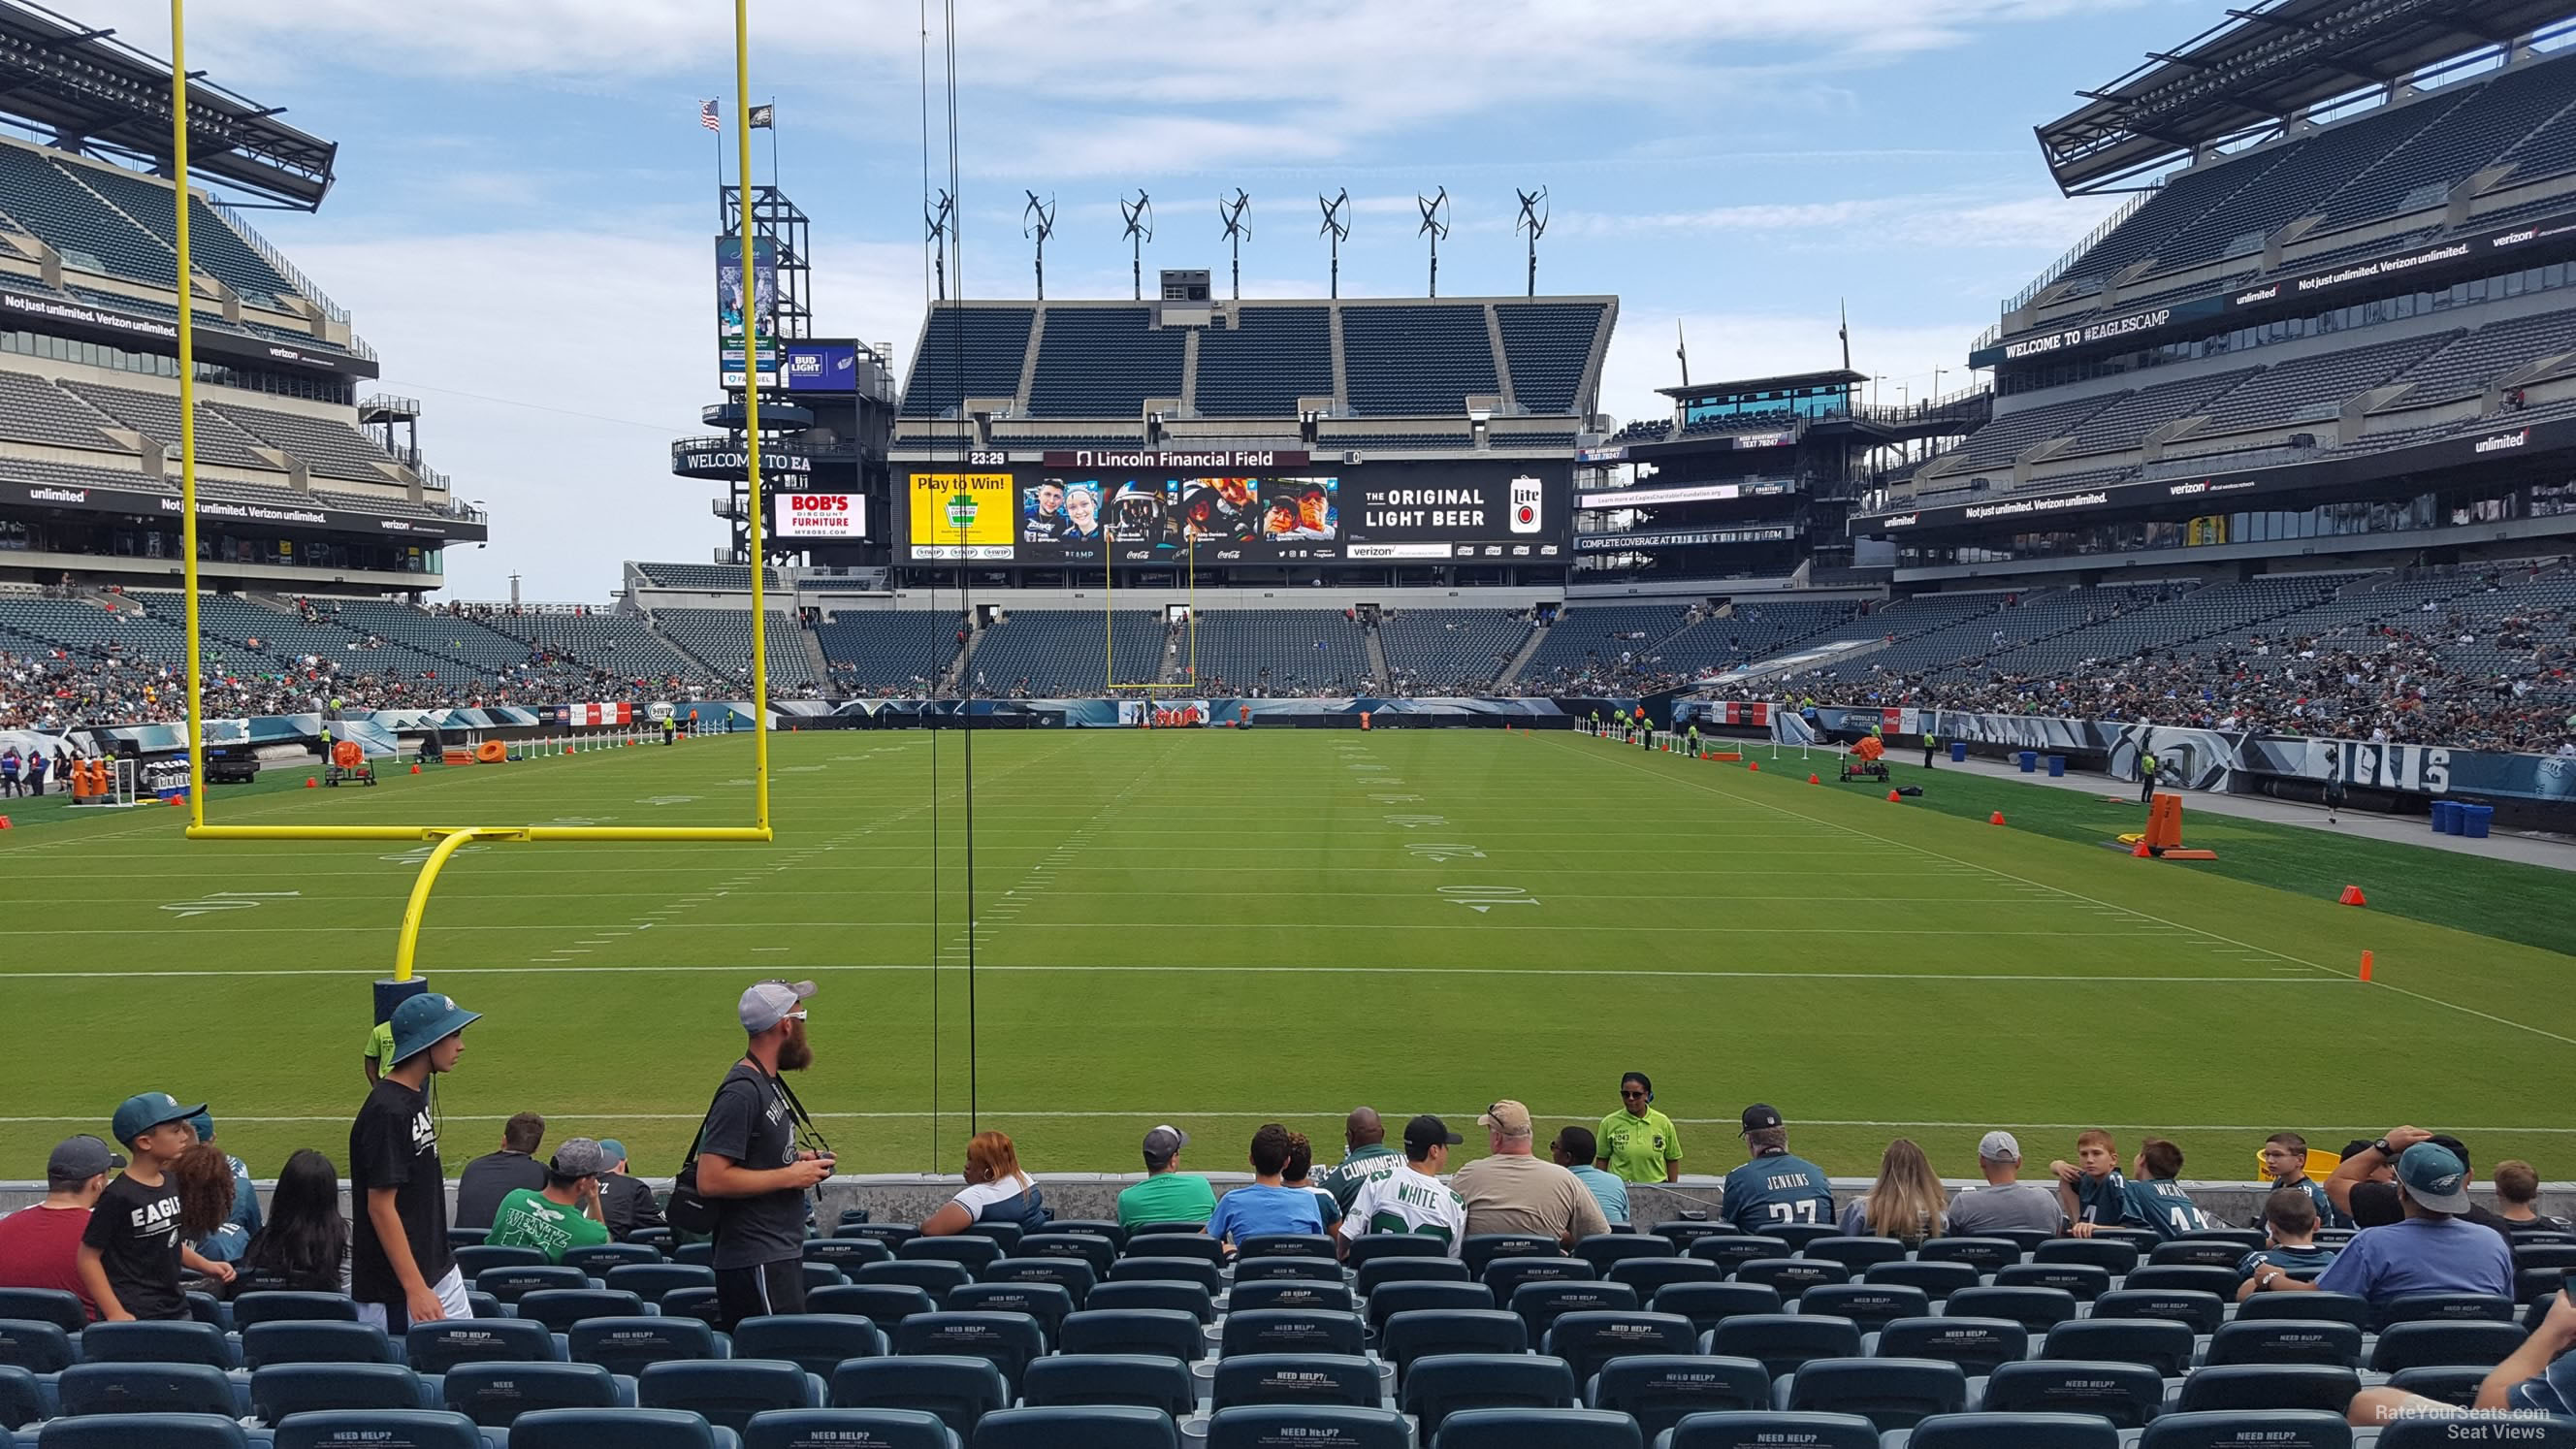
(2079,896)
(1077,926)
(2060,978)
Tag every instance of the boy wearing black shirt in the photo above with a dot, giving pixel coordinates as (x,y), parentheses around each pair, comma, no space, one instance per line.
(401,1270)
(130,1253)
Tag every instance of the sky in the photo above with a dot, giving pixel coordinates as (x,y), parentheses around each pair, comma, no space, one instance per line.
(523,219)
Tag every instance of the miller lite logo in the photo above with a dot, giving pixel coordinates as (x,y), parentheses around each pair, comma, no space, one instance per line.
(1525,506)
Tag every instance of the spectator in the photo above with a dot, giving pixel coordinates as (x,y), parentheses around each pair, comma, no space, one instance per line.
(131,1253)
(2006,1202)
(1301,1161)
(2090,1189)
(1412,1199)
(225,1243)
(2155,1200)
(304,1245)
(401,1269)
(1907,1202)
(1575,1150)
(380,1045)
(1638,1143)
(626,1202)
(204,1178)
(1365,1157)
(2290,1217)
(1773,1189)
(562,1215)
(996,1191)
(1511,1191)
(2371,1199)
(1166,1195)
(2434,1249)
(2517,1188)
(749,1165)
(495,1175)
(2368,1164)
(40,1245)
(1268,1204)
(2538,1378)
(2285,1157)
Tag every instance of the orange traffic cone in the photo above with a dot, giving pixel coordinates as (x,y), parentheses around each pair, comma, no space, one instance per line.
(1891,797)
(2141,852)
(1754,765)
(310,783)
(1995,819)
(415,769)
(1813,780)
(2352,896)
(4,823)
(2365,956)
(178,799)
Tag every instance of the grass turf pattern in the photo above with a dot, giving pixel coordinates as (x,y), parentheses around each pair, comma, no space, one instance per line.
(1217,928)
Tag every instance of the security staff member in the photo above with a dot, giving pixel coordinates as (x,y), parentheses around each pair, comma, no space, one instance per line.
(2146,777)
(1694,741)
(1929,744)
(670,730)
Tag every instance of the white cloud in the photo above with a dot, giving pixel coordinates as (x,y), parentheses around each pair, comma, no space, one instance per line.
(2043,222)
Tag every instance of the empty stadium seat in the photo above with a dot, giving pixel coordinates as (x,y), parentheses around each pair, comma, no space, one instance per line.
(627,1345)
(1984,1254)
(1975,1344)
(1207,1275)
(1287,1268)
(251,1308)
(1190,1298)
(2333,1307)
(1296,1378)
(1871,1305)
(494,1394)
(1727,1429)
(728,1391)
(1044,1302)
(959,1390)
(1074,1275)
(1152,1332)
(560,1308)
(815,1342)
(1648,1275)
(2161,1344)
(934,1276)
(1096,1249)
(625,1428)
(1008,1341)
(379,1429)
(1892,1393)
(135,1388)
(2012,1431)
(1306,1293)
(2242,1429)
(2202,1311)
(37,1347)
(2456,1386)
(1266,1426)
(1539,1304)
(473,1258)
(1401,1297)
(884,1304)
(2126,1394)
(1070,1379)
(2286,1340)
(294,1388)
(1588,1340)
(308,1341)
(1446,1383)
(1537,1429)
(1728,1250)
(847,1254)
(1287,1245)
(1477,1250)
(1290,1330)
(1378,1272)
(1782,1342)
(2037,1309)
(167,1342)
(511,1282)
(1708,1304)
(972,1249)
(596,1259)
(1419,1334)
(1659,1390)
(2439,1343)
(155,1430)
(1602,1250)
(2269,1386)
(2440,1307)
(22,1398)
(1937,1279)
(2080,1282)
(653,1282)
(1792,1276)
(1506,1275)
(697,1303)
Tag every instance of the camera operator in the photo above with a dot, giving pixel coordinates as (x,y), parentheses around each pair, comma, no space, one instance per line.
(749,1165)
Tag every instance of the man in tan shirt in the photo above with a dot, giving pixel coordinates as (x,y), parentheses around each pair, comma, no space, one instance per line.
(1513,1191)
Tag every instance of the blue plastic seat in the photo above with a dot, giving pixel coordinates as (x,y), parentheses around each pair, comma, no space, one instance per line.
(2199,1253)
(2456,1386)
(175,1341)
(22,1399)
(1097,1426)
(627,1345)
(1478,1250)
(1976,1345)
(1159,1293)
(1731,1430)
(514,1281)
(1285,1245)
(1287,1267)
(1296,1378)
(296,1341)
(1709,1304)
(1729,1250)
(2013,1431)
(2336,1307)
(934,1276)
(251,1308)
(1154,1332)
(1192,1244)
(295,1388)
(625,1428)
(972,1251)
(1781,1342)
(1378,1272)
(1858,1253)
(1422,1332)
(2111,1255)
(2082,1282)
(1074,1275)
(1601,1250)
(1686,1231)
(893,1235)
(1266,1426)
(1290,1330)
(2126,1394)
(1169,1270)
(728,1391)
(1792,1276)
(434,1348)
(1446,1383)
(2037,1309)
(2442,1307)
(145,1388)
(1871,1305)
(1586,1341)
(1306,1293)
(1505,1275)
(473,1258)
(38,1346)
(560,1308)
(2269,1386)
(883,1304)
(704,1254)
(380,1429)
(2201,1311)
(597,1258)
(1085,1227)
(847,1254)
(1044,1302)
(847,1429)
(1537,1429)
(1892,1393)
(2206,1278)
(1985,1254)
(2286,1340)
(2161,1344)
(1541,1304)
(1659,1390)
(652,1282)
(495,1393)
(959,1390)
(1091,1248)
(1005,1340)
(1407,1297)
(1936,1278)
(1650,1275)
(1799,1235)
(815,1342)
(2433,1343)
(142,1431)
(1368,1248)
(1067,1380)
(2285,1429)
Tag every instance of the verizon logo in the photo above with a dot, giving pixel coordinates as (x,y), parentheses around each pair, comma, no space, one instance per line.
(2503,442)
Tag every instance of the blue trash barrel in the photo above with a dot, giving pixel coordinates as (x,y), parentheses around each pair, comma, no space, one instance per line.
(2442,810)
(2056,767)
(2474,820)
(1958,751)
(2029,761)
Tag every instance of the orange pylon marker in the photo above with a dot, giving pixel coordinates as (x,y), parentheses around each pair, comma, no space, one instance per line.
(415,769)
(1813,780)
(2142,852)
(2352,896)
(311,784)
(1754,765)
(2365,965)
(1995,819)
(1891,797)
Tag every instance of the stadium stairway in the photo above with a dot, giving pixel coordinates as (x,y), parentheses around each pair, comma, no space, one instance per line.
(1511,672)
(1378,671)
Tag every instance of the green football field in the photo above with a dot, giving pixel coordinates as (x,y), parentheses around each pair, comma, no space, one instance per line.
(1216,929)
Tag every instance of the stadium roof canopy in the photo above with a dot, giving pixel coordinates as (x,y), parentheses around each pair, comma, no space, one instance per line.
(100,96)
(1703,391)
(2268,63)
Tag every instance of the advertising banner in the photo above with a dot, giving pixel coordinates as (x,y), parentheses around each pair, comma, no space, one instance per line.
(822,515)
(729,307)
(963,516)
(822,367)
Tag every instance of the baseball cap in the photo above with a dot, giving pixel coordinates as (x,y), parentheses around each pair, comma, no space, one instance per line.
(1163,1141)
(425,1020)
(578,1157)
(144,1111)
(1761,1116)
(204,1122)
(2434,1177)
(612,1150)
(78,1159)
(1998,1147)
(1507,1117)
(767,1003)
(1428,1131)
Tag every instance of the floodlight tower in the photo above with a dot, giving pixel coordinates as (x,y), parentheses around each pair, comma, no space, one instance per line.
(1338,227)
(1039,222)
(1236,230)
(941,218)
(1139,216)
(1534,213)
(1435,225)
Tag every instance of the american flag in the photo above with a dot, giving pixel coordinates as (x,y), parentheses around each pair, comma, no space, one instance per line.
(707,117)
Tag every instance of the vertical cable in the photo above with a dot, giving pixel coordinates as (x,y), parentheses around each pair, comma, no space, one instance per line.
(930,701)
(965,585)
(187,410)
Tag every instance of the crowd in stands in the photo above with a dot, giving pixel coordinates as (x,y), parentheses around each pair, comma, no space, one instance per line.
(157,1224)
